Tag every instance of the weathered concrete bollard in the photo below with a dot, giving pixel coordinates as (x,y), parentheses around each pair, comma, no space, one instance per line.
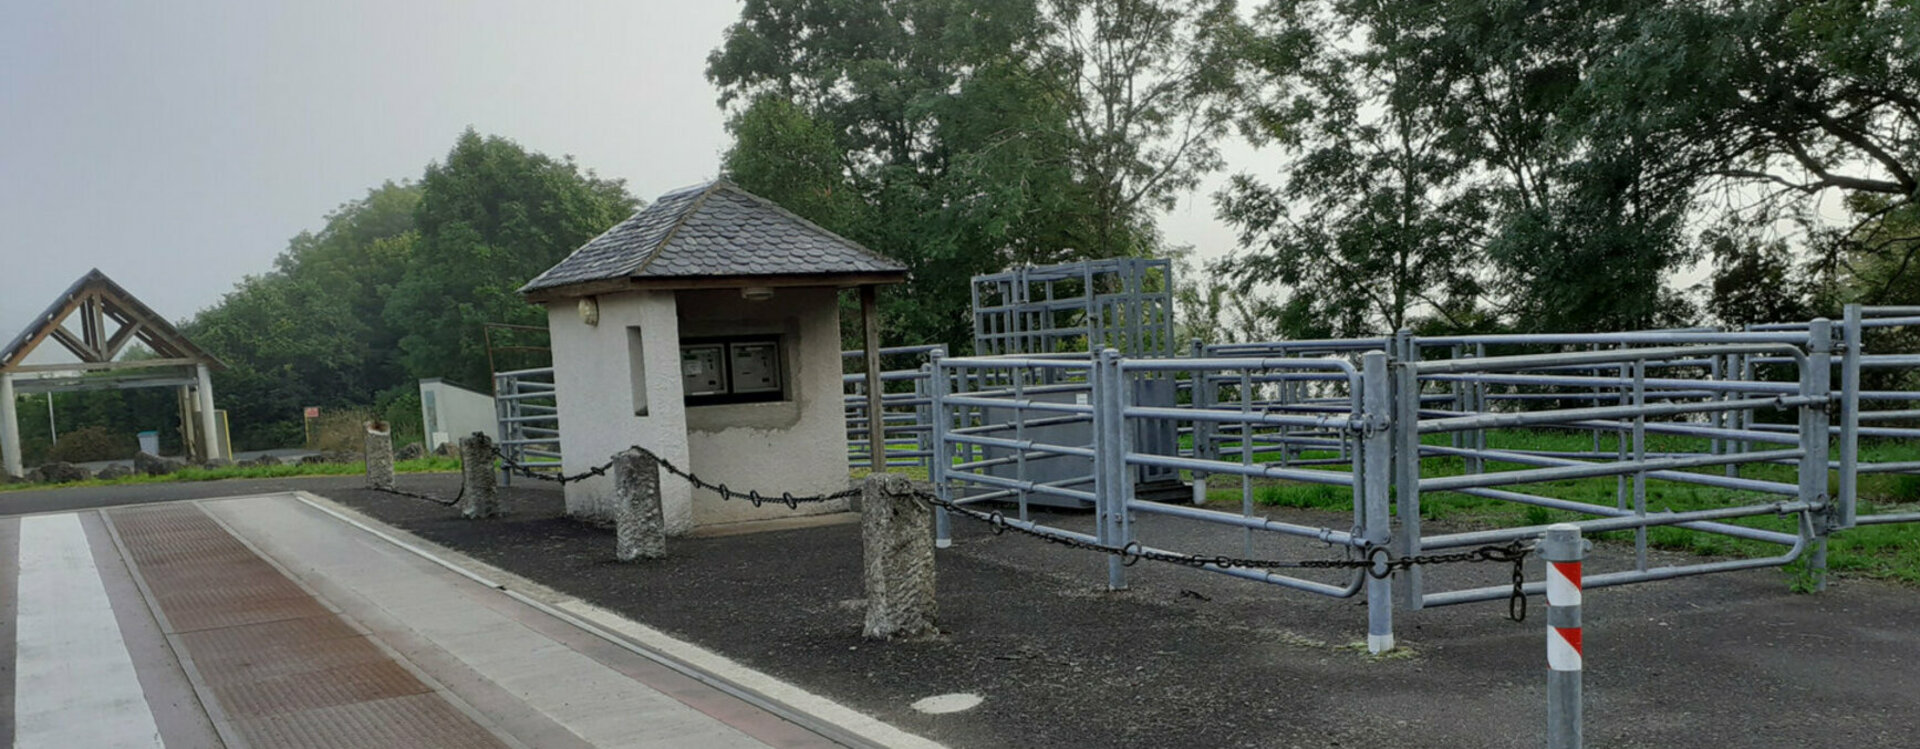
(480,495)
(896,530)
(379,455)
(638,521)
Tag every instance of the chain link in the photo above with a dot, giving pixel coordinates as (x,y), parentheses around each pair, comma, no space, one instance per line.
(1375,561)
(754,498)
(427,497)
(519,469)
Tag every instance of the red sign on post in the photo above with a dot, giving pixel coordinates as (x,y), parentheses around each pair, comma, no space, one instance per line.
(313,412)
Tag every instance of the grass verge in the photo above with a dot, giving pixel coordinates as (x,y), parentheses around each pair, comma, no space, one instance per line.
(1889,552)
(429,464)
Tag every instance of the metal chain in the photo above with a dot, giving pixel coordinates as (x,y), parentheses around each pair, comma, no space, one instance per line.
(1376,561)
(754,498)
(428,497)
(562,479)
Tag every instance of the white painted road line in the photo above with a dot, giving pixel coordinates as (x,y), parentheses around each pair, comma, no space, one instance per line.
(76,684)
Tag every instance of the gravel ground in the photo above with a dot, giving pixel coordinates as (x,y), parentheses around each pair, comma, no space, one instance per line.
(1191,659)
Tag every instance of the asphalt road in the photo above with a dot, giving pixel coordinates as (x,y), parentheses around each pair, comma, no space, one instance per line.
(27,501)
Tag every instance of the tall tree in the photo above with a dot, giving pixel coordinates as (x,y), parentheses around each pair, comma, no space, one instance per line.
(977,134)
(1377,219)
(1150,86)
(311,332)
(491,216)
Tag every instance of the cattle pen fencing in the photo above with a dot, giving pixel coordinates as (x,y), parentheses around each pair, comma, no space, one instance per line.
(1754,421)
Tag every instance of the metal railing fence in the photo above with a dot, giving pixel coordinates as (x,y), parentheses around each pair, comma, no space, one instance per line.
(1754,414)
(525,403)
(906,407)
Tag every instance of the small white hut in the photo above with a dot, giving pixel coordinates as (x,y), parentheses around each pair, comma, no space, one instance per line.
(706,328)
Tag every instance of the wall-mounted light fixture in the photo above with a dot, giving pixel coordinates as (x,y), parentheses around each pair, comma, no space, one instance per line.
(589,311)
(756,293)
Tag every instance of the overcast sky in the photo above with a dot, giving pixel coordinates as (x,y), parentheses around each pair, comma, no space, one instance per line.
(177,146)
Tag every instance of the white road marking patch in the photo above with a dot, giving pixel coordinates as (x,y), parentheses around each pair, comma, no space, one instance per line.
(941,704)
(77,683)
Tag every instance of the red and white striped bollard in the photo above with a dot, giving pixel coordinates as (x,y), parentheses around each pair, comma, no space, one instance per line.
(1563,549)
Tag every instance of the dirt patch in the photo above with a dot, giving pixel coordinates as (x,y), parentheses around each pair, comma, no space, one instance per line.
(1191,659)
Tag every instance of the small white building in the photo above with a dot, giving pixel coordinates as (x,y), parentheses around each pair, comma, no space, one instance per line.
(706,328)
(449,412)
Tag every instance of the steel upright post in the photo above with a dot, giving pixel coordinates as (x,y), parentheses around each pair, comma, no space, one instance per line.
(922,414)
(1479,407)
(1202,394)
(1640,456)
(1817,381)
(939,463)
(1111,485)
(1406,471)
(1849,419)
(1563,549)
(1377,448)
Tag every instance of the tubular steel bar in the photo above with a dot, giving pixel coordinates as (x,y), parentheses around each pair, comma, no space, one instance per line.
(1592,470)
(1528,418)
(1625,577)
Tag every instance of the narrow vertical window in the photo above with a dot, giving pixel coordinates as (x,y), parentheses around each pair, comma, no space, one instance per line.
(637,367)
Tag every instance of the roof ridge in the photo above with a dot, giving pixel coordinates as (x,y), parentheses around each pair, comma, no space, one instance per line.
(672,231)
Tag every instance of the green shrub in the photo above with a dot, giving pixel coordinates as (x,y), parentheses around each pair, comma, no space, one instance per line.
(341,430)
(93,443)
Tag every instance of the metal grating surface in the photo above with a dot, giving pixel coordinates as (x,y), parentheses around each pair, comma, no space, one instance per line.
(417,721)
(288,672)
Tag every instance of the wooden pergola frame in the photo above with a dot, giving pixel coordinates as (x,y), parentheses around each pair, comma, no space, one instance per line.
(98,305)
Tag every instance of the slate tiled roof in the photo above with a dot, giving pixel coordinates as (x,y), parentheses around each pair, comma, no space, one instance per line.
(709,230)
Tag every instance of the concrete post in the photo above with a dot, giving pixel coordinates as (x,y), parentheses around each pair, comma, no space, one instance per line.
(9,428)
(639,523)
(379,455)
(896,531)
(481,498)
(1563,551)
(212,449)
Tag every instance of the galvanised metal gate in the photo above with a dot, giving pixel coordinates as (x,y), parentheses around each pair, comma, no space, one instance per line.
(1386,420)
(525,402)
(905,403)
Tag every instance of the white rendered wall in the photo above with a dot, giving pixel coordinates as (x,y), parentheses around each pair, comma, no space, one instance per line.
(460,412)
(798,445)
(593,375)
